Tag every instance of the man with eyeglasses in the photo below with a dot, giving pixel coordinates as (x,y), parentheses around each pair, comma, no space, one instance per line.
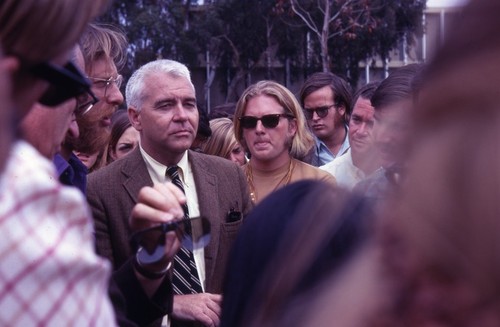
(326,101)
(104,51)
(45,126)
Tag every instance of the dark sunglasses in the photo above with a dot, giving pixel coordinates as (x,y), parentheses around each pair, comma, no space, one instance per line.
(194,233)
(65,83)
(269,121)
(85,102)
(322,112)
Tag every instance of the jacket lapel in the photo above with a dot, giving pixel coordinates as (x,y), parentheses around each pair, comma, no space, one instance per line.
(135,173)
(206,188)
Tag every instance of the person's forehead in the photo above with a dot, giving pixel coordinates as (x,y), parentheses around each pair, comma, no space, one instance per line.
(160,86)
(323,92)
(130,134)
(363,107)
(263,103)
(103,67)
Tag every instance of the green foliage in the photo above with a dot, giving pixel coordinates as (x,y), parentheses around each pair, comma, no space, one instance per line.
(243,35)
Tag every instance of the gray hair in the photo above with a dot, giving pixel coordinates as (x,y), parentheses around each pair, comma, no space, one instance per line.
(134,91)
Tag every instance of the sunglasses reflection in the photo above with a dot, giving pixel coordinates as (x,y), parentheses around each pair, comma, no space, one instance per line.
(193,234)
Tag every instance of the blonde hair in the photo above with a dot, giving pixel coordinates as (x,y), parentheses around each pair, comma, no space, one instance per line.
(222,141)
(103,41)
(303,140)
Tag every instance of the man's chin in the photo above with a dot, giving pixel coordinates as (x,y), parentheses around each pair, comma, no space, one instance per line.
(360,149)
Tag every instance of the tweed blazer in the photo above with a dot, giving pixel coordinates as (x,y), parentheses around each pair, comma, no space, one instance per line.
(221,186)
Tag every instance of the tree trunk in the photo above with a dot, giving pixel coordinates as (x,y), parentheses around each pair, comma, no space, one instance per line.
(325,58)
(232,88)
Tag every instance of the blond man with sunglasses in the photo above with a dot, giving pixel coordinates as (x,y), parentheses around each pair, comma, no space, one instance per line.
(269,123)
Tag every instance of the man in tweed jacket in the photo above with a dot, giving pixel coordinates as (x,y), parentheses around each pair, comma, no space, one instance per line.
(162,106)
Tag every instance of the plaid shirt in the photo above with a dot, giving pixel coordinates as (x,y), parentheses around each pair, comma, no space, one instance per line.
(49,272)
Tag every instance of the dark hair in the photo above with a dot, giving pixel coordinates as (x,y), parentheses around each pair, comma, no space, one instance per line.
(342,92)
(398,86)
(366,92)
(204,125)
(119,124)
(223,111)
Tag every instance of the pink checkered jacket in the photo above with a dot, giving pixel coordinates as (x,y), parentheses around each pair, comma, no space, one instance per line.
(49,272)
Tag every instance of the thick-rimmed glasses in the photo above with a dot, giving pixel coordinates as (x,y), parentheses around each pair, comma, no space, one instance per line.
(104,83)
(65,82)
(322,111)
(268,121)
(85,102)
(194,234)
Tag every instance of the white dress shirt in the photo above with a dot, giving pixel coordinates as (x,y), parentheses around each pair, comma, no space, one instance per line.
(157,171)
(344,171)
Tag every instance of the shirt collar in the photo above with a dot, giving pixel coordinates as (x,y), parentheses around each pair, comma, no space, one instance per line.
(158,170)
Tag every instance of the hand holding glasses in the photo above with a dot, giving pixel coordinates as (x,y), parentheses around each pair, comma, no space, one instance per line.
(194,233)
(268,121)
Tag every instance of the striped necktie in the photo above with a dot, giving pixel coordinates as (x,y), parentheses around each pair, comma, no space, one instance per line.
(186,280)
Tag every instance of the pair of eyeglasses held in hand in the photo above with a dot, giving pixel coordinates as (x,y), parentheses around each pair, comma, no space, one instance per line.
(194,233)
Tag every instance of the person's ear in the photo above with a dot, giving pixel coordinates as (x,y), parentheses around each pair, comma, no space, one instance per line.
(341,110)
(9,64)
(135,118)
(112,154)
(292,126)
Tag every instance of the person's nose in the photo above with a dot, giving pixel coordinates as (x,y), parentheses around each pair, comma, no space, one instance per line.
(234,158)
(114,95)
(73,129)
(259,128)
(363,129)
(180,113)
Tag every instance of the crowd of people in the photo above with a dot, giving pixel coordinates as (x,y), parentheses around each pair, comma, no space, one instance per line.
(369,206)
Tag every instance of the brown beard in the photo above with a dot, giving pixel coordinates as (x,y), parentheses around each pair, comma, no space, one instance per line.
(93,137)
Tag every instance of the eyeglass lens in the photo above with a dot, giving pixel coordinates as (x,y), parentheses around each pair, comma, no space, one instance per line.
(194,234)
(85,102)
(269,121)
(65,82)
(118,81)
(103,83)
(322,112)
